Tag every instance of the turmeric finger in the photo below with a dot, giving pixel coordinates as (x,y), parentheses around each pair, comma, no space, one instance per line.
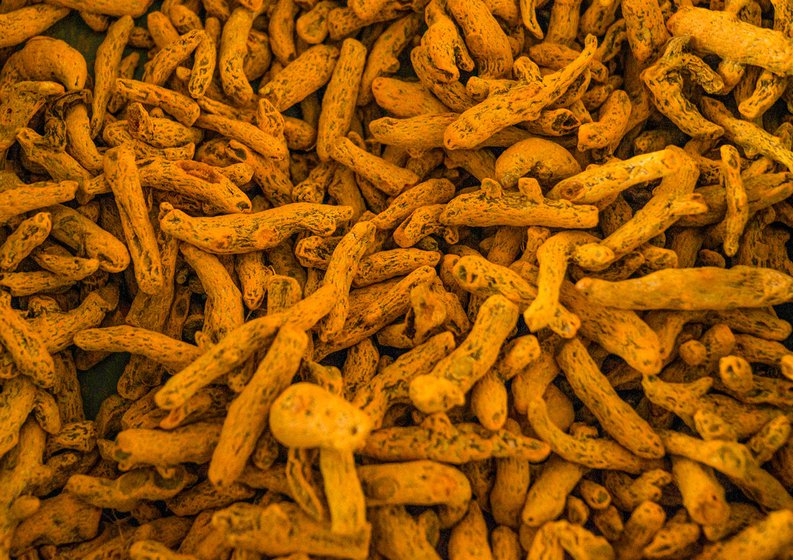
(391,385)
(173,354)
(590,452)
(459,444)
(340,96)
(282,528)
(724,34)
(522,159)
(645,28)
(224,301)
(23,198)
(312,25)
(239,433)
(553,256)
(24,346)
(384,53)
(763,539)
(239,345)
(747,135)
(122,174)
(28,21)
(28,235)
(631,294)
(448,382)
(37,61)
(125,492)
(491,206)
(389,178)
(158,69)
(59,520)
(741,468)
(399,535)
(300,404)
(231,53)
(546,498)
(640,528)
(183,109)
(611,125)
(599,182)
(485,38)
(17,398)
(243,233)
(289,87)
(405,99)
(616,418)
(520,103)
(342,267)
(469,538)
(22,100)
(189,444)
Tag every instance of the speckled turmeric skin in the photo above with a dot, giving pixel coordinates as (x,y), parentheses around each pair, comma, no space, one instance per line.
(542,159)
(489,397)
(21,101)
(122,174)
(743,470)
(35,61)
(245,423)
(552,257)
(398,534)
(520,103)
(599,182)
(487,42)
(28,21)
(453,376)
(167,59)
(341,96)
(172,353)
(239,346)
(232,52)
(492,206)
(740,41)
(21,198)
(290,86)
(59,520)
(727,289)
(185,110)
(233,234)
(382,59)
(282,528)
(25,347)
(28,235)
(586,451)
(391,385)
(449,443)
(615,416)
(125,492)
(158,131)
(664,81)
(607,132)
(672,200)
(391,178)
(748,135)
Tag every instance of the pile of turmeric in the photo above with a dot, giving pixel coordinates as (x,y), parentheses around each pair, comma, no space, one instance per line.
(398,279)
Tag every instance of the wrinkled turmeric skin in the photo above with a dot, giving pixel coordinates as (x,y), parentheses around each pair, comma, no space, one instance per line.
(463,443)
